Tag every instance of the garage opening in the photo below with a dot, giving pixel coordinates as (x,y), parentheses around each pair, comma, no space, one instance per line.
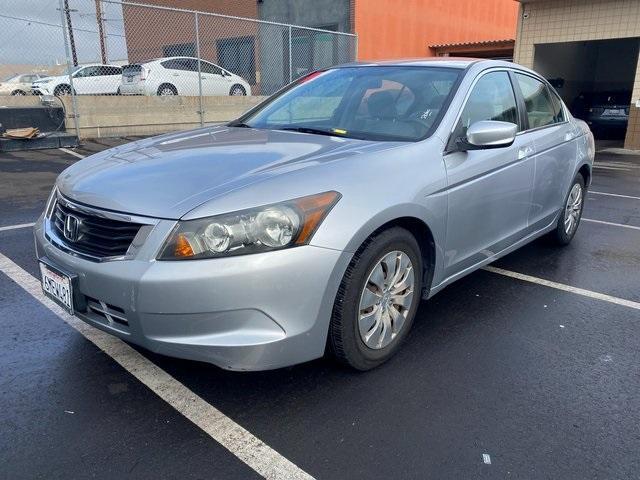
(595,79)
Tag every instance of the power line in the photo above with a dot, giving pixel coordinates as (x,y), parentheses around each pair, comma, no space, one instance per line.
(57,25)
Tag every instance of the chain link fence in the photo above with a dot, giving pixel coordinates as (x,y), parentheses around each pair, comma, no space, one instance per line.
(122,48)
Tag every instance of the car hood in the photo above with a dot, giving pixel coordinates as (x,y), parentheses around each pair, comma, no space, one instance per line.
(167,176)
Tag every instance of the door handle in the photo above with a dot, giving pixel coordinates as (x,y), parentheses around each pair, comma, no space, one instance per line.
(524,152)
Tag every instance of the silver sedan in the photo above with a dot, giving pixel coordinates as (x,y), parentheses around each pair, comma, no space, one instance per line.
(321,218)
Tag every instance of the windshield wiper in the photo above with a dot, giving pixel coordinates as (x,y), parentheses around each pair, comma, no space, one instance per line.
(238,124)
(316,131)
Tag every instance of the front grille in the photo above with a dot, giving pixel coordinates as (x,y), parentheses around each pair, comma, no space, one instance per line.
(95,236)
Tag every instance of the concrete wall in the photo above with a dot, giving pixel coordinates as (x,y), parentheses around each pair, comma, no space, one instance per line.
(123,116)
(553,21)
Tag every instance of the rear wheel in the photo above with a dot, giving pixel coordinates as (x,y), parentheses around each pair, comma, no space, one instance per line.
(18,93)
(377,300)
(569,218)
(237,90)
(167,89)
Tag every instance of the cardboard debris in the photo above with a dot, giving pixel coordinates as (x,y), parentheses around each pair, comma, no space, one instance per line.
(24,133)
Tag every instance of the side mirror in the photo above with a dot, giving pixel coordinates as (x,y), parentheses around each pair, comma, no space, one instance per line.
(488,134)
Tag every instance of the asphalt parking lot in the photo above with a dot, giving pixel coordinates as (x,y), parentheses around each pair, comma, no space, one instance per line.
(533,377)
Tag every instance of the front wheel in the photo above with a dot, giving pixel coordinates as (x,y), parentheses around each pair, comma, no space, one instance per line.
(62,90)
(569,218)
(377,300)
(19,93)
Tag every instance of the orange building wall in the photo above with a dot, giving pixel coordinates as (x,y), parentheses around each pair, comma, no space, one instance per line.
(406,28)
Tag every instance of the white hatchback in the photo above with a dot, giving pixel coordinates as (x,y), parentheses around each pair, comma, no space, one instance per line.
(179,76)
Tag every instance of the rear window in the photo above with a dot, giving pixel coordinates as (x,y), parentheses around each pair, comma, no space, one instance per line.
(131,69)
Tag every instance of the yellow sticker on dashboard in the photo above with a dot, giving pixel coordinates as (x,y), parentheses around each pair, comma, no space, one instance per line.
(339,130)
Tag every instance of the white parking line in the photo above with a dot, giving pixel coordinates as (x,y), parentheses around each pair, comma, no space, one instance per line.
(561,286)
(15,227)
(71,152)
(632,227)
(240,442)
(614,195)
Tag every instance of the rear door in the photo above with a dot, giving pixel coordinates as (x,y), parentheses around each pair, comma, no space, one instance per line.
(108,80)
(553,137)
(214,82)
(183,74)
(489,190)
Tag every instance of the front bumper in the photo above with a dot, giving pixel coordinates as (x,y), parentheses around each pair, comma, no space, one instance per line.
(42,89)
(251,312)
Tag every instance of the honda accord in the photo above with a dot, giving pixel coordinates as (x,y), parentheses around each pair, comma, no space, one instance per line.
(317,221)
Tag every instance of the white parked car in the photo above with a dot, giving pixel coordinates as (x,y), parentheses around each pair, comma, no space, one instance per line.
(19,84)
(179,76)
(93,79)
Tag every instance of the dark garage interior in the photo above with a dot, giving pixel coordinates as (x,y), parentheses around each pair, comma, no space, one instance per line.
(595,79)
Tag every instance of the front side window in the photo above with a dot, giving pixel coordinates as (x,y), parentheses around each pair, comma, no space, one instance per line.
(88,72)
(492,98)
(400,103)
(540,108)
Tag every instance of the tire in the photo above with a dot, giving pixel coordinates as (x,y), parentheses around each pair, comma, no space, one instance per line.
(573,206)
(364,351)
(166,89)
(62,90)
(237,90)
(19,93)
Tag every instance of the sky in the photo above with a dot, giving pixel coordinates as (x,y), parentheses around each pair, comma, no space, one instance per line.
(30,32)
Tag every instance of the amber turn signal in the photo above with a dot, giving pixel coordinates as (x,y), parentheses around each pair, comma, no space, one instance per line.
(314,209)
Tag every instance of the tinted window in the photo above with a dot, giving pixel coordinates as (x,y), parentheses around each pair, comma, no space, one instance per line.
(378,103)
(541,110)
(492,98)
(185,64)
(111,71)
(88,72)
(207,67)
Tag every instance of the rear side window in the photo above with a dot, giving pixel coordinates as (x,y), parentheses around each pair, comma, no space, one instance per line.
(210,68)
(541,109)
(185,64)
(492,98)
(111,70)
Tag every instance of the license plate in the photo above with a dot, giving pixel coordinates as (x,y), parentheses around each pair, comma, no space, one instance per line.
(614,111)
(57,286)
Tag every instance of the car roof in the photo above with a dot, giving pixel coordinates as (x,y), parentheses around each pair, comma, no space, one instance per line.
(450,62)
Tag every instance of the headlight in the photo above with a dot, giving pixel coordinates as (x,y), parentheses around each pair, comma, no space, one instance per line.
(261,229)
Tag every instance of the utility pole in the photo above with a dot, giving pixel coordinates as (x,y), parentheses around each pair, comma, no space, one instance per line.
(72,42)
(100,20)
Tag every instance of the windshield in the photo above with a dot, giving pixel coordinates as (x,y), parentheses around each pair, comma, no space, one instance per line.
(372,103)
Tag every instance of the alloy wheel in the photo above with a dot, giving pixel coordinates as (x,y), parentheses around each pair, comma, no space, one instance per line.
(386,299)
(572,209)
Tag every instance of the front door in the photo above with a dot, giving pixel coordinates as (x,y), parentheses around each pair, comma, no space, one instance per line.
(489,190)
